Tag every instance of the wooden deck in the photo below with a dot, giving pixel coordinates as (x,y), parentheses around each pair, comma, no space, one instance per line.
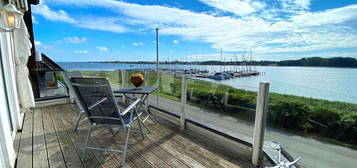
(47,140)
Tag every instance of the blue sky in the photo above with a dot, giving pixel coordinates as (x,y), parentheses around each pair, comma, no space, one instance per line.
(196,30)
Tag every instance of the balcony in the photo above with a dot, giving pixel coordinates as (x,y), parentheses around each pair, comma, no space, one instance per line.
(47,140)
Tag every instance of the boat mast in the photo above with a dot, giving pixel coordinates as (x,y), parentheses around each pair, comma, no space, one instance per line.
(221,61)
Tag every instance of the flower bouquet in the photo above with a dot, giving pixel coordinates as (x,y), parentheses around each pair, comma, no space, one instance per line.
(137,79)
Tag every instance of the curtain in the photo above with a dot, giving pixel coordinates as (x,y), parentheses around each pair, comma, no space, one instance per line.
(22,49)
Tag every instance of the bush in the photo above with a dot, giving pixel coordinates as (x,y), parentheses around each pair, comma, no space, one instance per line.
(241,100)
(329,117)
(288,114)
(349,122)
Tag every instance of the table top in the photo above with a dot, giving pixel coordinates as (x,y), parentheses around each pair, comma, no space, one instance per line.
(136,90)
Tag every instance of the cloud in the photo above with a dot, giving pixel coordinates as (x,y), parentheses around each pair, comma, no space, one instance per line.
(38,43)
(34,20)
(50,14)
(75,39)
(43,47)
(238,7)
(137,43)
(89,22)
(81,51)
(101,23)
(102,48)
(295,4)
(175,41)
(287,26)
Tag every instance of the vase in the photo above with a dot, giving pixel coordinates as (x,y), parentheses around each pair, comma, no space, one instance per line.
(137,80)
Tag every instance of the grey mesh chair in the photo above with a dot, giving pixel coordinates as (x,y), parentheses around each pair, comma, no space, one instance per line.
(99,104)
(81,115)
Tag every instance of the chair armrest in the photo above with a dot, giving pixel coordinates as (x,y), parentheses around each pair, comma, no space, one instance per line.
(131,106)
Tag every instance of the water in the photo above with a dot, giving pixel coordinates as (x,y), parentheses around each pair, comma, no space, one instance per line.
(338,84)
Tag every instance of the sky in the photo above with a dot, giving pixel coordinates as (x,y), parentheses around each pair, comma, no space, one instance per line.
(194,30)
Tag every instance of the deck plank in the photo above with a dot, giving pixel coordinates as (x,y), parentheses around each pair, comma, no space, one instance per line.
(25,151)
(137,147)
(39,144)
(70,154)
(91,161)
(16,143)
(161,153)
(54,152)
(164,141)
(49,141)
(199,151)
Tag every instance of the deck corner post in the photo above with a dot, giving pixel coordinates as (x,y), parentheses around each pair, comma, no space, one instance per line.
(226,95)
(260,123)
(123,80)
(183,102)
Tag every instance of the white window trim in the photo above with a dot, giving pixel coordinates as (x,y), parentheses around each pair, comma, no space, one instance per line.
(7,152)
(10,76)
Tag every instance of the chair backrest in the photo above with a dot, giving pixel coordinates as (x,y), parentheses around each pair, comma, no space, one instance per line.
(74,73)
(96,97)
(66,76)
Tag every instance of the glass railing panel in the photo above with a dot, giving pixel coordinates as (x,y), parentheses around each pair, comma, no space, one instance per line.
(52,85)
(323,132)
(169,91)
(114,77)
(221,107)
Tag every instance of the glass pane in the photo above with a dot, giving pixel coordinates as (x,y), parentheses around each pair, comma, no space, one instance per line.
(169,92)
(51,84)
(221,107)
(322,132)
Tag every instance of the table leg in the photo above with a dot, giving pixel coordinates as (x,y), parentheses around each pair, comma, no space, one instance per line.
(144,99)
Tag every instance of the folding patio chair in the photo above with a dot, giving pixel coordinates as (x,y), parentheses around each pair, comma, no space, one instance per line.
(81,116)
(99,104)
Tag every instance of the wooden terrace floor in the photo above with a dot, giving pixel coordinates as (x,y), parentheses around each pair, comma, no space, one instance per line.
(47,140)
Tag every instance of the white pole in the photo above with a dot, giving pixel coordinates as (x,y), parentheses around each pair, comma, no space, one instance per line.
(183,102)
(123,80)
(260,123)
(157,65)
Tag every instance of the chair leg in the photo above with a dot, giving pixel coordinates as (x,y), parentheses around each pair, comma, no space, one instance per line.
(125,150)
(152,119)
(78,120)
(110,129)
(141,126)
(87,140)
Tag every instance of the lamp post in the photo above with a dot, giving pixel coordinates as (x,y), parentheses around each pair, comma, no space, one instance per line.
(10,18)
(157,65)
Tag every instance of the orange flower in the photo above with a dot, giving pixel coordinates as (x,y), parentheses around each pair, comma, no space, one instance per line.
(140,75)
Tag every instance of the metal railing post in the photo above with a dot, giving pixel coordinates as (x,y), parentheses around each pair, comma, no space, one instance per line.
(226,97)
(260,123)
(146,78)
(119,78)
(123,80)
(158,87)
(147,84)
(183,102)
